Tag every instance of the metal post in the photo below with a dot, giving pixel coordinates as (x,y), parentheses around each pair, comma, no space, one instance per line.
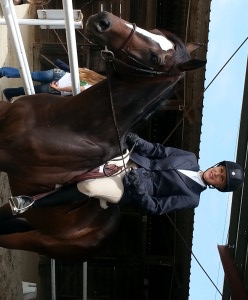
(73,61)
(53,280)
(42,22)
(72,46)
(11,20)
(85,280)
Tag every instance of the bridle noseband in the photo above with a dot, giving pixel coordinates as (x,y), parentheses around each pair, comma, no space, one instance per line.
(137,68)
(127,41)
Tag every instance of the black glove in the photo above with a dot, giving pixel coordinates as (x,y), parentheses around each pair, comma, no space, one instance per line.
(133,179)
(131,138)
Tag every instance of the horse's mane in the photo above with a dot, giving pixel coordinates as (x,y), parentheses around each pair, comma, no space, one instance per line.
(154,107)
(181,55)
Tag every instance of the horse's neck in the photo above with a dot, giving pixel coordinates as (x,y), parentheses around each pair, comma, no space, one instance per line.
(130,100)
(4,107)
(153,87)
(141,96)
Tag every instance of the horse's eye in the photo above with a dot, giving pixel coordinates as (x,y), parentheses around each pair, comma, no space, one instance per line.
(154,59)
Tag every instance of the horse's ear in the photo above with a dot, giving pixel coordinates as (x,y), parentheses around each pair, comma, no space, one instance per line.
(193,46)
(155,31)
(192,65)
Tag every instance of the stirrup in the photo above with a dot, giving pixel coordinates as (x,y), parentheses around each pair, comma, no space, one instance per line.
(19,204)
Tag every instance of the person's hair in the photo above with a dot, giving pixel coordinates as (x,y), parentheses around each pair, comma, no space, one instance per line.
(90,76)
(39,2)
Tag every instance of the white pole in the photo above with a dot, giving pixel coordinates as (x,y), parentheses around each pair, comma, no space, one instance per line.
(72,46)
(73,61)
(85,280)
(10,17)
(43,22)
(53,280)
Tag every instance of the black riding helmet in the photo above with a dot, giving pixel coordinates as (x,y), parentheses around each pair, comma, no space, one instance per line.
(234,175)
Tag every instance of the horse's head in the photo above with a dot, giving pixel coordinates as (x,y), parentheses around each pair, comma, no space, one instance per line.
(156,50)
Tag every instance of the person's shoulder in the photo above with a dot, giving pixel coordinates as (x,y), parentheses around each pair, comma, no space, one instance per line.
(180,151)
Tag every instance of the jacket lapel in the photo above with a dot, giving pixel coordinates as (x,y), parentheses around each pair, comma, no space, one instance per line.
(191,184)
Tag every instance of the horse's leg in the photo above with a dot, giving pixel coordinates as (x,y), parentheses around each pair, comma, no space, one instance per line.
(88,239)
(14,225)
(67,194)
(6,212)
(34,241)
(29,241)
(81,248)
(9,223)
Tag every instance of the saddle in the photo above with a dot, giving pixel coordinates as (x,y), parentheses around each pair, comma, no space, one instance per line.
(108,170)
(20,204)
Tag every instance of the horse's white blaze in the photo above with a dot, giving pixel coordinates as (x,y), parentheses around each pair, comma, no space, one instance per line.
(164,43)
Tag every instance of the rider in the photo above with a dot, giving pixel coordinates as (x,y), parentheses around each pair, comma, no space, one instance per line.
(159,179)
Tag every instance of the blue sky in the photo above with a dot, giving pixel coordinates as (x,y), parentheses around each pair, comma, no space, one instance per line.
(221,117)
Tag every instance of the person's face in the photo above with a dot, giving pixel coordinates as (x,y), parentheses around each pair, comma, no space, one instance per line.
(216,176)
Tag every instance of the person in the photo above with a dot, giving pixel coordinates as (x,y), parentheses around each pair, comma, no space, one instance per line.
(54,81)
(159,179)
(37,2)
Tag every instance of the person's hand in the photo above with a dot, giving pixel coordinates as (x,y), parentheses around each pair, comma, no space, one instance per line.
(131,138)
(54,85)
(133,178)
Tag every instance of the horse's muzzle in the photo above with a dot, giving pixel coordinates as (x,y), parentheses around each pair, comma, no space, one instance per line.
(98,23)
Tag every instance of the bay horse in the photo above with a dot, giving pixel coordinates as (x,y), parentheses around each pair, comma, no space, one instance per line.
(47,140)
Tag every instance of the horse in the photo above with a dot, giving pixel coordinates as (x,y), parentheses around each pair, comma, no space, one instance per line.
(47,140)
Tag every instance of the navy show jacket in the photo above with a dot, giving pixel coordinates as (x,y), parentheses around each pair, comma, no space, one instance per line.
(162,188)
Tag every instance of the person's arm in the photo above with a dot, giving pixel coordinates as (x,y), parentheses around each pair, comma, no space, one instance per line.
(64,89)
(158,205)
(69,89)
(161,205)
(151,150)
(62,65)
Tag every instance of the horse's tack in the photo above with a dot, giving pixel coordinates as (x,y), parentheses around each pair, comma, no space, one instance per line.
(121,48)
(125,43)
(115,166)
(139,71)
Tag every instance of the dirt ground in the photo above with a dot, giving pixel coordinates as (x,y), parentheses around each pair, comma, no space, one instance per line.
(16,266)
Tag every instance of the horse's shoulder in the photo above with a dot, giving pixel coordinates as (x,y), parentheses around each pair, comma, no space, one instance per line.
(4,107)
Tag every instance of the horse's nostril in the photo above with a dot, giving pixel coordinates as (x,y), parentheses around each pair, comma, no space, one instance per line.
(103,24)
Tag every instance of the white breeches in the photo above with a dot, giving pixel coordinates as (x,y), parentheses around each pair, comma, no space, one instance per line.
(107,189)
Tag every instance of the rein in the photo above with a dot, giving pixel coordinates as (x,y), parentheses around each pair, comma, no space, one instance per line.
(141,71)
(121,67)
(111,54)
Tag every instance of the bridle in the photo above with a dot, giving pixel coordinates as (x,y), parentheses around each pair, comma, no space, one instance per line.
(130,36)
(138,69)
